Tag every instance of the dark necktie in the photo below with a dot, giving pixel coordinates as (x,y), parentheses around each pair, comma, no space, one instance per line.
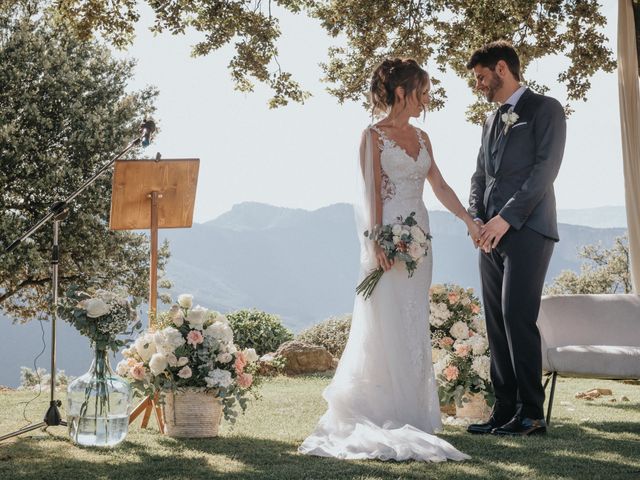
(498,123)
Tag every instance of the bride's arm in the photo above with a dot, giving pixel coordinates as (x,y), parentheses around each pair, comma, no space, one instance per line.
(445,193)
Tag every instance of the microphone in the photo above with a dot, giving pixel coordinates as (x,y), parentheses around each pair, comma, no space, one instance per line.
(147,127)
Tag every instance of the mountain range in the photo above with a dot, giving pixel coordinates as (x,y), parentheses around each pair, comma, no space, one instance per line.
(299,264)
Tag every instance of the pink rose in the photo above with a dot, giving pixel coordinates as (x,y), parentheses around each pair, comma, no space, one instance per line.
(240,363)
(446,342)
(137,371)
(463,350)
(451,373)
(475,308)
(453,297)
(185,372)
(195,337)
(245,380)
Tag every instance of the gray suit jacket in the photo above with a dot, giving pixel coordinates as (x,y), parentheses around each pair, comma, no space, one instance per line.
(518,182)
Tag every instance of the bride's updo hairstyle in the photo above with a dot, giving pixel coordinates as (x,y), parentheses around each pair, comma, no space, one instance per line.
(391,74)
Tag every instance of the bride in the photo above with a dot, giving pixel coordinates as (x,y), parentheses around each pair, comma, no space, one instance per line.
(383,399)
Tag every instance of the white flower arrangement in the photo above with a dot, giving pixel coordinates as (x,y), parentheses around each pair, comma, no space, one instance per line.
(192,348)
(460,350)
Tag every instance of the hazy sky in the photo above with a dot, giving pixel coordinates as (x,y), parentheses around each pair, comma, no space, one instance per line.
(303,156)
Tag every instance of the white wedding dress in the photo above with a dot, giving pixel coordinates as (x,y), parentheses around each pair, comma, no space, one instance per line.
(383,400)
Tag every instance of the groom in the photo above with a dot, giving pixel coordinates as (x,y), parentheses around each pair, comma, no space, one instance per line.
(512,198)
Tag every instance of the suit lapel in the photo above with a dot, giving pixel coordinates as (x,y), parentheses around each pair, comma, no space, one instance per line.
(489,145)
(502,143)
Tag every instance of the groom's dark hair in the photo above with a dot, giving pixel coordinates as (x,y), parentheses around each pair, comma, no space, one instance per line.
(490,54)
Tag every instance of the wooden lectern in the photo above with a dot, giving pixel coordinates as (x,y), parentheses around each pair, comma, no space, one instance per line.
(149,195)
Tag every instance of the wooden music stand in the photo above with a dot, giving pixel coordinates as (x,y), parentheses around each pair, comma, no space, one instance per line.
(153,194)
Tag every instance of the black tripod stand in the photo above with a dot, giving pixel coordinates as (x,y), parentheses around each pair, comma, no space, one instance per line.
(58,212)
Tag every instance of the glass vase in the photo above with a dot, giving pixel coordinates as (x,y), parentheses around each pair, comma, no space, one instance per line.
(98,405)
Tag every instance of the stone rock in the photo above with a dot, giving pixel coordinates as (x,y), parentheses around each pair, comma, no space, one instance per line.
(304,358)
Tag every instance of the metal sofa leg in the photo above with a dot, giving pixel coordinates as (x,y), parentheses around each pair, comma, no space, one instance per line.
(552,393)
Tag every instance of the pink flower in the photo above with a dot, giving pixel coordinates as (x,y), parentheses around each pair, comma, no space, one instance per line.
(451,373)
(245,380)
(195,337)
(475,308)
(453,297)
(240,363)
(446,342)
(137,371)
(185,372)
(462,350)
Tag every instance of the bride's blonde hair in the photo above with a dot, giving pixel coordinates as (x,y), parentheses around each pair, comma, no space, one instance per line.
(391,74)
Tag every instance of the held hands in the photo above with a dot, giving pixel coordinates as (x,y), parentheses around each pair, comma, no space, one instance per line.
(492,233)
(474,228)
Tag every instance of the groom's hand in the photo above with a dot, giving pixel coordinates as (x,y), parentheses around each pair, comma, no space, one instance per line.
(493,232)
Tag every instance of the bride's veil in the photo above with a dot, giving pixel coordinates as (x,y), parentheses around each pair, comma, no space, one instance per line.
(365,207)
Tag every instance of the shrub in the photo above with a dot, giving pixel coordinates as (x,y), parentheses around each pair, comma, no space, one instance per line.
(331,333)
(30,379)
(260,330)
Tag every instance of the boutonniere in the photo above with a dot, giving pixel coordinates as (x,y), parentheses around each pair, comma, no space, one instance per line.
(509,118)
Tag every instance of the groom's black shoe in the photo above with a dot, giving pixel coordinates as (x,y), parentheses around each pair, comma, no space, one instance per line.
(496,420)
(522,426)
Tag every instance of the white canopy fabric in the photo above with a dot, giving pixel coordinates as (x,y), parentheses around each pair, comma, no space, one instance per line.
(629,96)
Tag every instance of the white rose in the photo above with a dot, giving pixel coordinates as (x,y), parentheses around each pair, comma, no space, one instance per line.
(232,348)
(416,251)
(197,317)
(176,315)
(251,355)
(185,300)
(438,289)
(396,230)
(465,301)
(185,372)
(482,366)
(145,346)
(418,234)
(127,353)
(224,357)
(440,365)
(122,368)
(220,331)
(95,307)
(437,354)
(219,378)
(182,361)
(396,240)
(479,325)
(173,337)
(460,331)
(158,363)
(479,344)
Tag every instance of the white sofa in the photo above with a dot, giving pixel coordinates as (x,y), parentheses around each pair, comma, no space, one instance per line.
(595,336)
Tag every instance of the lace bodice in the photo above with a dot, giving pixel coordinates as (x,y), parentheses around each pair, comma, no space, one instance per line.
(403,178)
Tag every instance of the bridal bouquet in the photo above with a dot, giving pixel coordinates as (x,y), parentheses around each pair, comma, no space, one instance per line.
(192,348)
(401,241)
(460,348)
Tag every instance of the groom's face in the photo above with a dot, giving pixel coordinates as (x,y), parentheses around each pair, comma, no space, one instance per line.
(487,82)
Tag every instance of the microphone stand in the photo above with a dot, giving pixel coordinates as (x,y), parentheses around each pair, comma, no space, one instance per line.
(58,212)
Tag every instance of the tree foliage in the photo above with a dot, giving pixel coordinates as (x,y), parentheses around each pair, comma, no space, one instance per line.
(64,112)
(606,271)
(440,33)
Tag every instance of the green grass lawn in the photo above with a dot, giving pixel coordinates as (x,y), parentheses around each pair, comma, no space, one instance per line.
(588,440)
